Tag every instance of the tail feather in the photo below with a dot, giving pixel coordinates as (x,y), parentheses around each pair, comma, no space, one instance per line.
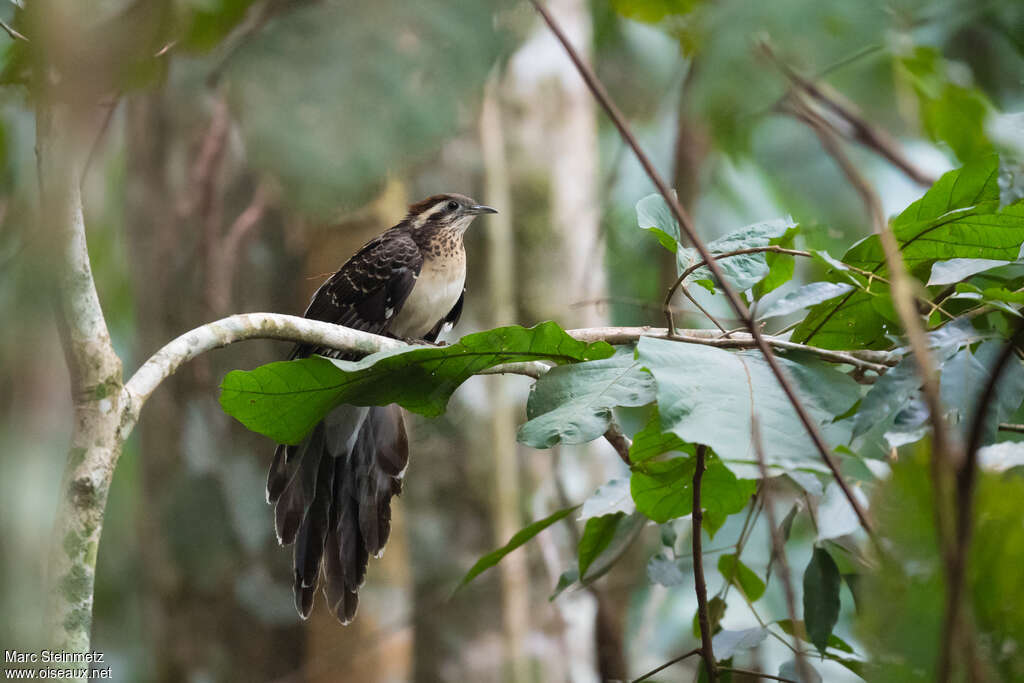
(333,496)
(298,493)
(309,543)
(282,470)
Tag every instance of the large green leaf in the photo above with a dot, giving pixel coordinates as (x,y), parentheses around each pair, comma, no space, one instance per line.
(958,218)
(522,536)
(285,400)
(573,404)
(808,295)
(663,490)
(708,395)
(651,441)
(821,597)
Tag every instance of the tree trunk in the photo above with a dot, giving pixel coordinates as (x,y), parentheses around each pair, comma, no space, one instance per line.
(96,380)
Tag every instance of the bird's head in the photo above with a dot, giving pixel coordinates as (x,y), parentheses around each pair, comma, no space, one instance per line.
(455,211)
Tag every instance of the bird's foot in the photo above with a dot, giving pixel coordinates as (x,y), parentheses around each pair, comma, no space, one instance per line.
(421,342)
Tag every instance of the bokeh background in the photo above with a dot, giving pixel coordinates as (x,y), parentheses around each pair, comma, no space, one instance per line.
(259,143)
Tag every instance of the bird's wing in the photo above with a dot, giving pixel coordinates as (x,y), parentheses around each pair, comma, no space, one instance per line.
(370,288)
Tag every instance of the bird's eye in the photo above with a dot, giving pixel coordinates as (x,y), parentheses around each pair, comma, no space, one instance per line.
(451,206)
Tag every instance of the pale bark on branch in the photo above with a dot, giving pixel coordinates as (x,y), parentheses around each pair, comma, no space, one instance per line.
(95,372)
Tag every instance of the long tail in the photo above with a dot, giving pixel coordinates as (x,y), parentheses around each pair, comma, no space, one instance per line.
(332,496)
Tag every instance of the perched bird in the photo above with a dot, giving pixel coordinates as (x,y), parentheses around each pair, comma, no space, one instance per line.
(332,493)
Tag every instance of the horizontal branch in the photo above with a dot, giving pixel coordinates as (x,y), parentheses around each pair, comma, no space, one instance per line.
(290,328)
(876,361)
(244,326)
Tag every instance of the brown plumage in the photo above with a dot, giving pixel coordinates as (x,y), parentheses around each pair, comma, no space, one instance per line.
(407,282)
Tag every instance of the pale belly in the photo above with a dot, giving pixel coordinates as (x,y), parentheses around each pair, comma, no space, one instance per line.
(435,293)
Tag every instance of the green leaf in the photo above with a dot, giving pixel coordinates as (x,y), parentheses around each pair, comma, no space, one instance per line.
(741,576)
(653,215)
(285,400)
(652,11)
(651,441)
(522,536)
(573,404)
(887,396)
(959,217)
(808,295)
(821,597)
(211,21)
(597,534)
(664,490)
(744,270)
(780,266)
(707,395)
(626,530)
(566,579)
(957,269)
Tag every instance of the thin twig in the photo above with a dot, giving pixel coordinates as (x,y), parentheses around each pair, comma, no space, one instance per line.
(667,310)
(666,305)
(104,126)
(12,32)
(226,251)
(700,586)
(666,665)
(778,545)
(758,674)
(619,441)
(966,479)
(683,218)
(858,129)
(1008,427)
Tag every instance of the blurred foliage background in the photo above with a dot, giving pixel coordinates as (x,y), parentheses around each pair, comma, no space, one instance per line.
(247,148)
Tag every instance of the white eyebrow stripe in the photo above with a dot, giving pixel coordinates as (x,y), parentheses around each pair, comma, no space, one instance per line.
(430,213)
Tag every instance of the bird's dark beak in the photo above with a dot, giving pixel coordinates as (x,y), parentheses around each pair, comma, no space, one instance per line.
(480,208)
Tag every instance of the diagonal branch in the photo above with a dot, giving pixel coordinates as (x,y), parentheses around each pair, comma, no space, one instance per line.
(855,127)
(10,30)
(685,223)
(966,478)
